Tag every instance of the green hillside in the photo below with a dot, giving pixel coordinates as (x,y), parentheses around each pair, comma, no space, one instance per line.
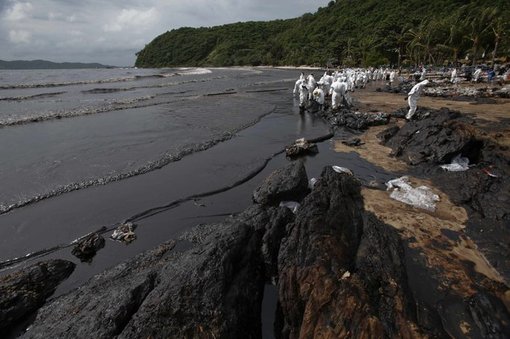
(44,64)
(347,32)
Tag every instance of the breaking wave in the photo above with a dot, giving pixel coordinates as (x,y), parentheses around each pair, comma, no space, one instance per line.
(148,167)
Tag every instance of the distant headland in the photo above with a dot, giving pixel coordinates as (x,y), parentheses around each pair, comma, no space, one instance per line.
(44,64)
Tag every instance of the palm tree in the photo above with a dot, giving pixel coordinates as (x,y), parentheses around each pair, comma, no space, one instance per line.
(480,24)
(499,28)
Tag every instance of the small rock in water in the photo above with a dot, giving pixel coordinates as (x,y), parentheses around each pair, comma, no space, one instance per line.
(125,232)
(301,147)
(87,247)
(353,142)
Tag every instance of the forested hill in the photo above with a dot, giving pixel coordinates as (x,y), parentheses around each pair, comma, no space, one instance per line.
(347,32)
(44,64)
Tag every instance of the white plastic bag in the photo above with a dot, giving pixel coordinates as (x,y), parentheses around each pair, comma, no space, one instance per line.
(421,197)
(311,183)
(458,164)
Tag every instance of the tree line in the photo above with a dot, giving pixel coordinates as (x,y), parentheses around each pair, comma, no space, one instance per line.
(349,33)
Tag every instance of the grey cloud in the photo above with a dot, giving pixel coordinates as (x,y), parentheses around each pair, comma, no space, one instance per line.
(112,31)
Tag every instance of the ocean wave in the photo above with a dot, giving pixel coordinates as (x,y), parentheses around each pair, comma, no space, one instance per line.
(60,114)
(29,97)
(193,71)
(166,159)
(175,72)
(67,83)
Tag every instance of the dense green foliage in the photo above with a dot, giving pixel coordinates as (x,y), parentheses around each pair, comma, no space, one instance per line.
(347,32)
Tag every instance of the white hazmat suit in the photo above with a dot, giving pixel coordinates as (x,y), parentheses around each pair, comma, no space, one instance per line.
(412,98)
(303,95)
(318,96)
(338,90)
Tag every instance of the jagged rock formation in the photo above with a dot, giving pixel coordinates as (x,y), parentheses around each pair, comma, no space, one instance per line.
(24,291)
(340,272)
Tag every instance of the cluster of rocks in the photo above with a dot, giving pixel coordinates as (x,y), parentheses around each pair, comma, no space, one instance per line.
(461,92)
(354,119)
(340,272)
(435,138)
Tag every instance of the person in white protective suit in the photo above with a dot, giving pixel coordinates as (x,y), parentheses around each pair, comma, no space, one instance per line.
(412,98)
(318,96)
(338,90)
(303,95)
(298,83)
(312,84)
(393,74)
(326,82)
(453,78)
(476,74)
(423,74)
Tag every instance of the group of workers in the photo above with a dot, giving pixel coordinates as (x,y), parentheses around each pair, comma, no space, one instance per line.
(337,85)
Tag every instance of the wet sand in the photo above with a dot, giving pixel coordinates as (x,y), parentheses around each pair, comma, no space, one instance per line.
(438,236)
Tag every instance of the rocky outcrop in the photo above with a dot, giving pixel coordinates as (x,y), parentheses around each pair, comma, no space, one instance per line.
(341,272)
(288,183)
(24,291)
(355,120)
(208,284)
(435,139)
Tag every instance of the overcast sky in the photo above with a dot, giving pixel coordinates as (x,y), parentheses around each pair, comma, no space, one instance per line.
(111,32)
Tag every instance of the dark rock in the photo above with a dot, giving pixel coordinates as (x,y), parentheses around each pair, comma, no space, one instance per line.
(301,147)
(353,142)
(211,288)
(436,139)
(288,183)
(341,274)
(87,247)
(388,133)
(24,291)
(420,114)
(400,88)
(355,120)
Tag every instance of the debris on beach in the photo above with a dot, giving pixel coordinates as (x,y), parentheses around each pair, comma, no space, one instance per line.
(353,142)
(311,183)
(458,164)
(301,147)
(291,205)
(125,233)
(340,169)
(421,196)
(87,247)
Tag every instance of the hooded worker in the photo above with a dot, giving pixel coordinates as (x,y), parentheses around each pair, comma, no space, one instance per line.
(318,96)
(338,90)
(476,75)
(303,95)
(453,78)
(423,74)
(298,83)
(412,98)
(312,84)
